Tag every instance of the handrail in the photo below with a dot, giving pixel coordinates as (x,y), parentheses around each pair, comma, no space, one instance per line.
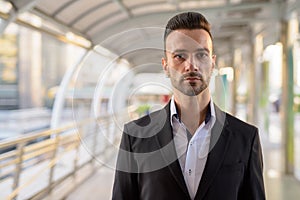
(43,151)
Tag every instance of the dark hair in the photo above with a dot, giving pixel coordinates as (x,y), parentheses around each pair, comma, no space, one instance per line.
(187,20)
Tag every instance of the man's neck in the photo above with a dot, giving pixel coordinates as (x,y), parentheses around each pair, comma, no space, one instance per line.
(192,109)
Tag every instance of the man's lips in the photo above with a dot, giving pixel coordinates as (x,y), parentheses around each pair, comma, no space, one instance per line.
(192,78)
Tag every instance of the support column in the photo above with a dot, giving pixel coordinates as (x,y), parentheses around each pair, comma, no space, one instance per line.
(30,79)
(289,29)
(254,77)
(234,81)
(237,62)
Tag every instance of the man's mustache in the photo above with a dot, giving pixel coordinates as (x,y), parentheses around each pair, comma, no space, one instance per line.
(192,75)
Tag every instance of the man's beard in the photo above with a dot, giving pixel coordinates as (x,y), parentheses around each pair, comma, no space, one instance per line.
(191,89)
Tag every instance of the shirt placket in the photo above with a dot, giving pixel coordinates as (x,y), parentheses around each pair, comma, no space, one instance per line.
(190,166)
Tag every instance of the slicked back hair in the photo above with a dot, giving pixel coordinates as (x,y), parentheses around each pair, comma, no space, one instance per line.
(186,20)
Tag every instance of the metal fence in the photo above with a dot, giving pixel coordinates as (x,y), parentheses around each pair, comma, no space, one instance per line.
(33,165)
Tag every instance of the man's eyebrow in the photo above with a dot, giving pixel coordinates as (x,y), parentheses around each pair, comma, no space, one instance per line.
(203,49)
(184,50)
(179,51)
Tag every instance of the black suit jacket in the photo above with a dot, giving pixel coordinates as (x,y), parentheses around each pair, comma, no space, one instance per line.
(148,168)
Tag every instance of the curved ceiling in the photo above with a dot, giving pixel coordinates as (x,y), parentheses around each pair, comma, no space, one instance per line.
(128,27)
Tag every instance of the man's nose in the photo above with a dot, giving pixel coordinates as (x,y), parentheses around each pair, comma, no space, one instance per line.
(191,64)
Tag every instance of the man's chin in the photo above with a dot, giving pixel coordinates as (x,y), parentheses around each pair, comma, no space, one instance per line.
(191,93)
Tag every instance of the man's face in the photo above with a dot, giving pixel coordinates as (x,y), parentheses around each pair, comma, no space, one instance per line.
(189,61)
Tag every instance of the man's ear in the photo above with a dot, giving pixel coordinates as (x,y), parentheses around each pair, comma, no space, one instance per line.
(165,66)
(214,59)
(214,70)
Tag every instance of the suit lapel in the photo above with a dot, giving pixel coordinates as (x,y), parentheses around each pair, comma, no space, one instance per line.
(165,139)
(220,138)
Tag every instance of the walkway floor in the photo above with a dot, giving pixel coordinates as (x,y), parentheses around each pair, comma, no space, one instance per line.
(99,186)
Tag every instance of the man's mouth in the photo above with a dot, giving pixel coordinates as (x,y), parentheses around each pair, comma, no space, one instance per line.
(192,78)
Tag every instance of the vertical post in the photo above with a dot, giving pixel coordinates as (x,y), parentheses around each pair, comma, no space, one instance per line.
(95,141)
(18,169)
(51,173)
(287,95)
(76,159)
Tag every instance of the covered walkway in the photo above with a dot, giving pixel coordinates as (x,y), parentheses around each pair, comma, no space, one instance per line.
(72,72)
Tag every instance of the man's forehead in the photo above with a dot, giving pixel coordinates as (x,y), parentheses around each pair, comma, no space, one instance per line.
(189,33)
(182,39)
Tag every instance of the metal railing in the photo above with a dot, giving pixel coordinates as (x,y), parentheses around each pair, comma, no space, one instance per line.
(31,166)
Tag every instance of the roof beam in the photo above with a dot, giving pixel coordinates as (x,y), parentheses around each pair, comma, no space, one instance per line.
(63,7)
(123,8)
(64,27)
(86,13)
(291,7)
(175,3)
(99,21)
(18,6)
(23,5)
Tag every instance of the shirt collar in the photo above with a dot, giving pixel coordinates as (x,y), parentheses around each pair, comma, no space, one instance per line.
(210,115)
(173,110)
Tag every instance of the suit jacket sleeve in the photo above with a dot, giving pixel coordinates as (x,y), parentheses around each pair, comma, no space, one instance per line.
(254,184)
(125,184)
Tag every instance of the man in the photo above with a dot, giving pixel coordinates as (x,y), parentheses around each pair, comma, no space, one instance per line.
(190,149)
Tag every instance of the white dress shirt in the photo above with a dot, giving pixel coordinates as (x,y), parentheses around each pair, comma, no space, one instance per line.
(192,150)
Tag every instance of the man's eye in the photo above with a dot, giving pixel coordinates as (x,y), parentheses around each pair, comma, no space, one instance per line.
(202,55)
(179,56)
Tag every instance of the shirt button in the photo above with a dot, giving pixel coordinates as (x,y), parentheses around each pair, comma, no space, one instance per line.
(190,172)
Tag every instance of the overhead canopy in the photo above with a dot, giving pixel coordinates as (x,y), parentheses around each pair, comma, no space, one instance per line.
(123,26)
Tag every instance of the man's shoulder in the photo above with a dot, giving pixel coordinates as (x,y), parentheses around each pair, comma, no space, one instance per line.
(226,118)
(155,119)
(148,118)
(239,125)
